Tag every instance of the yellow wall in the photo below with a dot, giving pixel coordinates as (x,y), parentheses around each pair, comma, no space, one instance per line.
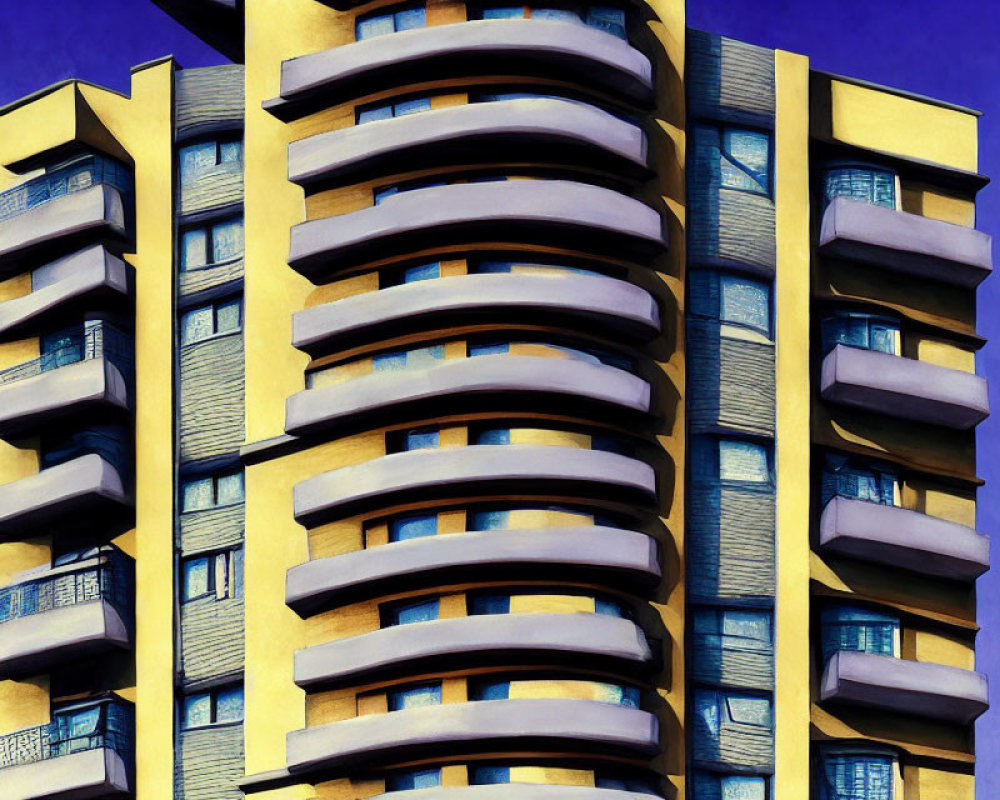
(792,441)
(881,121)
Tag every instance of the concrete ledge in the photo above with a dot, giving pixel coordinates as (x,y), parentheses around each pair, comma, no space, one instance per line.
(904,387)
(35,643)
(485,640)
(532,129)
(81,276)
(610,555)
(553,212)
(99,208)
(907,243)
(525,791)
(480,469)
(902,538)
(906,687)
(581,299)
(88,775)
(87,484)
(496,380)
(28,404)
(559,724)
(532,48)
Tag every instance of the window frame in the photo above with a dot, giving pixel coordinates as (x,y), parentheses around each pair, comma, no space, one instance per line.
(720,129)
(219,142)
(225,562)
(214,308)
(212,695)
(214,477)
(392,14)
(208,228)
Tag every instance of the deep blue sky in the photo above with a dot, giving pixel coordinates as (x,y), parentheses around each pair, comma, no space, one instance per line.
(949,50)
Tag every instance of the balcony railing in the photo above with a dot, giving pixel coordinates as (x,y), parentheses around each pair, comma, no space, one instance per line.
(109,578)
(106,724)
(76,176)
(94,339)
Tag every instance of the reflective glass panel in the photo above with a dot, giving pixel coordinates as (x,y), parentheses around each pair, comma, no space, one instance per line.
(196,325)
(227,317)
(194,248)
(229,705)
(197,710)
(230,489)
(743,461)
(197,494)
(227,240)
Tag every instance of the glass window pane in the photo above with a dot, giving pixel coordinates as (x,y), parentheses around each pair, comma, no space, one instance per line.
(227,317)
(410,18)
(415,698)
(229,705)
(227,240)
(742,461)
(83,722)
(504,12)
(194,248)
(562,14)
(230,151)
(479,776)
(853,776)
(422,439)
(196,578)
(493,436)
(884,337)
(417,779)
(197,494)
(488,349)
(384,193)
(196,325)
(196,159)
(749,710)
(230,488)
(413,106)
(706,711)
(414,527)
(197,710)
(751,152)
(608,19)
(491,690)
(739,787)
(745,302)
(389,361)
(374,113)
(608,608)
(424,357)
(860,630)
(489,520)
(489,604)
(415,612)
(860,183)
(374,26)
(424,272)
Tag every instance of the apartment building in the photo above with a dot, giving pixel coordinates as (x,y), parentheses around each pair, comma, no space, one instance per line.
(451,400)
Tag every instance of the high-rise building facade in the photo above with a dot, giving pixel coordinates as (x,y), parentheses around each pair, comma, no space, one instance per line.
(457,401)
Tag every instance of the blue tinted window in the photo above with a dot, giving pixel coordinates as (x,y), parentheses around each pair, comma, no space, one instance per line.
(389,361)
(415,527)
(865,331)
(423,439)
(731,299)
(488,520)
(504,12)
(489,604)
(608,608)
(868,184)
(381,24)
(734,158)
(486,775)
(563,14)
(375,113)
(490,690)
(229,705)
(729,787)
(420,611)
(416,779)
(415,698)
(488,349)
(855,776)
(412,106)
(743,461)
(493,436)
(608,19)
(198,159)
(857,479)
(384,193)
(217,707)
(422,273)
(858,630)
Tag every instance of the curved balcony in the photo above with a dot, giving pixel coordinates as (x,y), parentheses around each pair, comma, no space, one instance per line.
(97,210)
(607,556)
(906,243)
(486,469)
(539,130)
(899,537)
(553,212)
(493,640)
(561,725)
(82,277)
(87,486)
(574,300)
(906,687)
(525,791)
(66,613)
(904,387)
(484,381)
(526,48)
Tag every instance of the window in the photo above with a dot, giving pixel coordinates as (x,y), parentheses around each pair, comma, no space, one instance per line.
(63,347)
(743,461)
(408,613)
(719,714)
(217,707)
(859,630)
(479,776)
(627,696)
(491,436)
(408,359)
(380,111)
(733,300)
(208,321)
(395,21)
(866,331)
(212,244)
(416,526)
(223,489)
(730,787)
(488,349)
(733,630)
(859,479)
(415,779)
(219,574)
(416,697)
(488,520)
(867,183)
(198,159)
(857,776)
(416,439)
(606,18)
(421,272)
(734,158)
